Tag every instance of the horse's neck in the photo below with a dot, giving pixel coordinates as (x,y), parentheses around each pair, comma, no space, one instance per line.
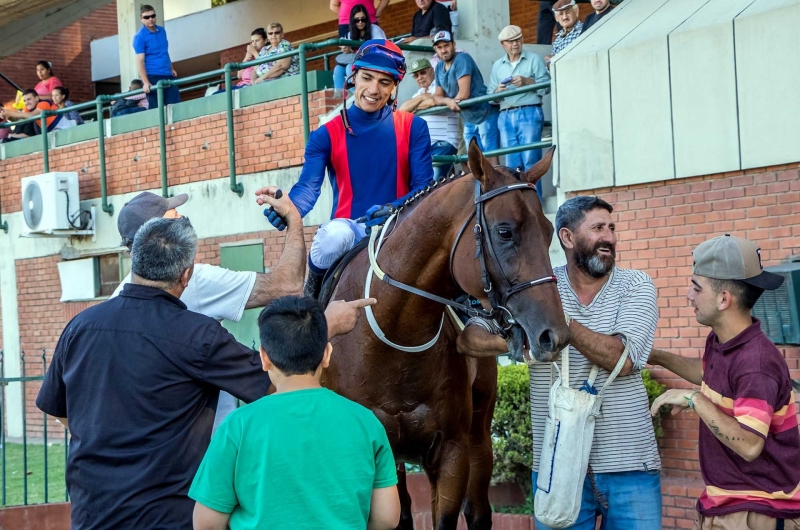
(418,249)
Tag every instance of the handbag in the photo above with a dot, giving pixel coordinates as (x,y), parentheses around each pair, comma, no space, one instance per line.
(568,437)
(343,59)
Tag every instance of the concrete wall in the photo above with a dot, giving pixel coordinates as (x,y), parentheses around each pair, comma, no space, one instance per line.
(666,89)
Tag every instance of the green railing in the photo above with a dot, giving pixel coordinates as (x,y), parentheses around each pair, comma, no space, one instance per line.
(26,484)
(191,83)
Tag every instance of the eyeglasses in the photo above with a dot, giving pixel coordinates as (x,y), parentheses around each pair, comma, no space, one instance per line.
(360,20)
(419,73)
(148,17)
(274,32)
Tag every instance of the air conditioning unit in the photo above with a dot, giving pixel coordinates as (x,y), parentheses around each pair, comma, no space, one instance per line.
(50,202)
(779,310)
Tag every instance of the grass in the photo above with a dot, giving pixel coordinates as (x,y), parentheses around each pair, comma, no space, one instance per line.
(15,475)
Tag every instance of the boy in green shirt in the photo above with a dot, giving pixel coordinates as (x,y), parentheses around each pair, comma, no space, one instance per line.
(303,457)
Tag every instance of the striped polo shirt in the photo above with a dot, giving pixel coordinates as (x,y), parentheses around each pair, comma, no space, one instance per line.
(747,378)
(623,438)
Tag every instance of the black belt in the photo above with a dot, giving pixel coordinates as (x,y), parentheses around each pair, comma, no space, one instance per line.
(521,107)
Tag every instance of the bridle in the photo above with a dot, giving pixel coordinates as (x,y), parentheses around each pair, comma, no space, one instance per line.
(483,247)
(484,250)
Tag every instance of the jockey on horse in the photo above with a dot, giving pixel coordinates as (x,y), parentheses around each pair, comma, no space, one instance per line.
(375,157)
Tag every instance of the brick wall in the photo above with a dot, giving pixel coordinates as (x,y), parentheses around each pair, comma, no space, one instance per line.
(658,225)
(69,52)
(197,150)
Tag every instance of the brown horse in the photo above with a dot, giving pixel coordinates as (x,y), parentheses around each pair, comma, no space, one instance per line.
(437,405)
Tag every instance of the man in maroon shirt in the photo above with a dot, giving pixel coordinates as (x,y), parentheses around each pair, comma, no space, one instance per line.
(749,438)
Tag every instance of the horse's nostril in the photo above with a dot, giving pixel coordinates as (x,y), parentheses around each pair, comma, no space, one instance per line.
(547,340)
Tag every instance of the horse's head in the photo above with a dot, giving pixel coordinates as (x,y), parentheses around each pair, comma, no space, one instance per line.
(516,245)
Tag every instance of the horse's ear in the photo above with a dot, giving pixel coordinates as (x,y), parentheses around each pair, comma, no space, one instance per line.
(541,168)
(476,161)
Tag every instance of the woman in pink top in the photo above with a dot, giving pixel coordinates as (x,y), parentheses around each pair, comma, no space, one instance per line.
(44,69)
(343,7)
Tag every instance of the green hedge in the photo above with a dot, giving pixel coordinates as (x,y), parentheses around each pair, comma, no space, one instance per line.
(511,425)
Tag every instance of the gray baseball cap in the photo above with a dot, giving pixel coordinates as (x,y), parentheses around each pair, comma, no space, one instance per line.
(733,258)
(141,209)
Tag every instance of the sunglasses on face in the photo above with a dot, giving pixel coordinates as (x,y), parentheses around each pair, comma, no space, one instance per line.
(274,32)
(148,17)
(360,20)
(417,74)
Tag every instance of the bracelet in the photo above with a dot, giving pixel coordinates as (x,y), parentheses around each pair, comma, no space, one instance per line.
(689,399)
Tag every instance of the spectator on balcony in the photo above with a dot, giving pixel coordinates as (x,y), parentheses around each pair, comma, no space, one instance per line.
(347,482)
(279,68)
(360,29)
(459,78)
(47,81)
(601,9)
(33,107)
(546,23)
(566,12)
(443,128)
(61,99)
(5,132)
(152,58)
(343,8)
(255,50)
(749,441)
(130,104)
(521,117)
(430,15)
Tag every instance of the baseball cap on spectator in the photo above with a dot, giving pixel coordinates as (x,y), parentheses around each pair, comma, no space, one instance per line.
(563,4)
(733,258)
(141,209)
(510,33)
(419,65)
(442,35)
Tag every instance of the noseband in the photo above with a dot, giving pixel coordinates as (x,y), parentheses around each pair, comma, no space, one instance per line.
(484,248)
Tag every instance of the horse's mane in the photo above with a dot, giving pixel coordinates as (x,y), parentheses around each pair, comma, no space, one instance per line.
(432,186)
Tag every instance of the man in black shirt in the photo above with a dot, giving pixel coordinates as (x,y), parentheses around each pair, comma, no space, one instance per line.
(601,9)
(430,15)
(136,381)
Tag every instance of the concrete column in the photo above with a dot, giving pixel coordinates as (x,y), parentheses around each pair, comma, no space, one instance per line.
(129,24)
(479,23)
(11,342)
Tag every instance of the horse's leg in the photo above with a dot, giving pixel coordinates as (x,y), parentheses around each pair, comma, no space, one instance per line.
(478,511)
(406,518)
(449,482)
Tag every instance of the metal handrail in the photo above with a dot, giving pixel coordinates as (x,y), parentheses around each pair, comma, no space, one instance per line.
(441,160)
(439,109)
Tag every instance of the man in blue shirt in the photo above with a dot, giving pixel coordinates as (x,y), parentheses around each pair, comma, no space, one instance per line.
(459,78)
(373,155)
(152,58)
(521,116)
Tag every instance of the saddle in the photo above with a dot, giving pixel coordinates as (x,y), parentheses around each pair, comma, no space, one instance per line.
(331,279)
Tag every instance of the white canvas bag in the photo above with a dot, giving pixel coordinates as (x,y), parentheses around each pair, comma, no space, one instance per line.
(568,436)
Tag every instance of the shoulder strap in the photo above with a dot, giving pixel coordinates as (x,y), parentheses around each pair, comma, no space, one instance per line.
(402,134)
(341,165)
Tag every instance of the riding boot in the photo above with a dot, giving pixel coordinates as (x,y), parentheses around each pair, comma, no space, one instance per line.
(313,284)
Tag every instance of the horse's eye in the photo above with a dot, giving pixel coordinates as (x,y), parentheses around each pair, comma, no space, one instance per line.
(505,234)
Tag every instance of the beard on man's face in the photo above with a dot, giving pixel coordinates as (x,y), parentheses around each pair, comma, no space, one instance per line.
(591,260)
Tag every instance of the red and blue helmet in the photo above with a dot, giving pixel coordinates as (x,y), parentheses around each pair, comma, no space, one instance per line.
(382,56)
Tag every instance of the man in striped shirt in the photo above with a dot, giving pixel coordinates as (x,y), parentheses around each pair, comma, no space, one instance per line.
(749,438)
(609,307)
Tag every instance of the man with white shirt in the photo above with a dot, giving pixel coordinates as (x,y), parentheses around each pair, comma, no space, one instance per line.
(225,294)
(443,127)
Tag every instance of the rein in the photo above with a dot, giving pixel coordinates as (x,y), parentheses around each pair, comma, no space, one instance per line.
(483,246)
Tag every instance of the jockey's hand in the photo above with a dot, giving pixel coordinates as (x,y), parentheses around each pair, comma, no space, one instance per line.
(281,209)
(342,316)
(378,214)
